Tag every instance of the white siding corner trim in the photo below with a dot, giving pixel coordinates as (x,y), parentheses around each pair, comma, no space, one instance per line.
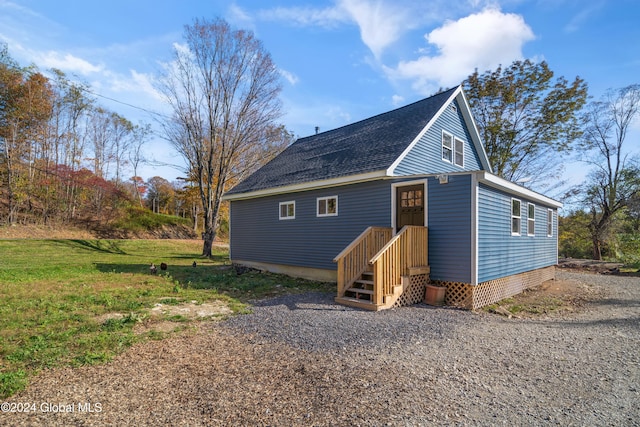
(475,193)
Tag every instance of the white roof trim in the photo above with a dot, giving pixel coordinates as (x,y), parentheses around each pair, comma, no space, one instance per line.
(515,189)
(305,186)
(473,131)
(471,126)
(394,165)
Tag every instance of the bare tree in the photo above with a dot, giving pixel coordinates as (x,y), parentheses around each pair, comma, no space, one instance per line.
(223,88)
(140,135)
(615,178)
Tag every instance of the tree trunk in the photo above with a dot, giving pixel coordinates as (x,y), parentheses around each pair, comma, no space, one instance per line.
(597,249)
(208,237)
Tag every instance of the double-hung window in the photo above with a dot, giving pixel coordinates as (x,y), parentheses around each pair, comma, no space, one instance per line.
(288,210)
(459,152)
(549,222)
(447,146)
(452,149)
(327,206)
(515,217)
(531,219)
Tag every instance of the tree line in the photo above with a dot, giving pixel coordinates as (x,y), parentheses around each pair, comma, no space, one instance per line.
(62,155)
(67,160)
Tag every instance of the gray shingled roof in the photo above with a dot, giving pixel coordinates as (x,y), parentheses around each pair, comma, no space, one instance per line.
(369,145)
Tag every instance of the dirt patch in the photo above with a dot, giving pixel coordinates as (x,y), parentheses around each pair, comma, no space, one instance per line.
(170,317)
(589,265)
(552,298)
(191,310)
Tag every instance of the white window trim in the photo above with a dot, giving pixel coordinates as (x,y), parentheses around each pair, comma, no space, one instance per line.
(318,214)
(455,141)
(284,218)
(529,219)
(452,148)
(549,222)
(512,217)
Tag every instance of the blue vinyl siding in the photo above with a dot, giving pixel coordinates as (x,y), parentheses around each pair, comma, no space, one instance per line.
(309,241)
(426,155)
(449,222)
(501,254)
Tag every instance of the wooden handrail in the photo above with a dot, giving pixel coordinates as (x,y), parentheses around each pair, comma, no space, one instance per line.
(354,259)
(407,249)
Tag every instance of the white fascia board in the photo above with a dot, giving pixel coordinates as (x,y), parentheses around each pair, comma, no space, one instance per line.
(515,189)
(306,186)
(473,131)
(394,165)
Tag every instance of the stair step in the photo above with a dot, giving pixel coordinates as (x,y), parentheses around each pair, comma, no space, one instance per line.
(357,303)
(364,282)
(360,291)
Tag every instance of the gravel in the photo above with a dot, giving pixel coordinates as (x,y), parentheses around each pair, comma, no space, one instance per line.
(302,360)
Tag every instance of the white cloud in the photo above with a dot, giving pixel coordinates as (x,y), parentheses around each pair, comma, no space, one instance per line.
(582,17)
(239,17)
(483,40)
(67,62)
(289,76)
(397,100)
(306,16)
(380,23)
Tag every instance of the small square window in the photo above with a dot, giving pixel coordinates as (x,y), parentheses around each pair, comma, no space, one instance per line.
(288,210)
(327,206)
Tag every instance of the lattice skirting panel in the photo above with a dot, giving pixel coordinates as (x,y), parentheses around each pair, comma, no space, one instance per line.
(414,292)
(471,297)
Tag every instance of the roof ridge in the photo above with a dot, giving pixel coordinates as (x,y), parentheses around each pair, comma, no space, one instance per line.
(382,114)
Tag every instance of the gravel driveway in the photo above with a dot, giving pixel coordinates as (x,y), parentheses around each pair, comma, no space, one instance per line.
(302,360)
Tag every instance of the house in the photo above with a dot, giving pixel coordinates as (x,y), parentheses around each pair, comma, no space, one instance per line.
(393,202)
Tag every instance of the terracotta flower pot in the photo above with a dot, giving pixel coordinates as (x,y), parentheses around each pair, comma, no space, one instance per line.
(434,295)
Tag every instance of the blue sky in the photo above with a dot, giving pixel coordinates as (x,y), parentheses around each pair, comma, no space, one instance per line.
(340,60)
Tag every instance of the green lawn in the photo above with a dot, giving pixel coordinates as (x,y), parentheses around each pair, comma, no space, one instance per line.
(55,293)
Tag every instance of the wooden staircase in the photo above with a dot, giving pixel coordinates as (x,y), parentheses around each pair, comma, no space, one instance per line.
(373,270)
(360,294)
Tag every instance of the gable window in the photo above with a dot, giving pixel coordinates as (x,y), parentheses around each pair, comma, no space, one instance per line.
(515,217)
(288,210)
(549,222)
(327,206)
(459,152)
(447,146)
(531,219)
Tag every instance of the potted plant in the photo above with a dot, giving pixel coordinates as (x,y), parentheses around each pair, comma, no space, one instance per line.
(434,294)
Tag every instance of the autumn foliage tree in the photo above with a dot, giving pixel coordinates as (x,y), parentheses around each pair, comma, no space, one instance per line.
(63,158)
(223,88)
(25,108)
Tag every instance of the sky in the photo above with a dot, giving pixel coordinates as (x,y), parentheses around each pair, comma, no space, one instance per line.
(340,60)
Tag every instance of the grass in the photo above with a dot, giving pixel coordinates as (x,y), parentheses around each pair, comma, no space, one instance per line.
(142,219)
(55,293)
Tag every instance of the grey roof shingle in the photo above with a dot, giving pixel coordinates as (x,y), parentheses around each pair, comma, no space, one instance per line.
(369,145)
